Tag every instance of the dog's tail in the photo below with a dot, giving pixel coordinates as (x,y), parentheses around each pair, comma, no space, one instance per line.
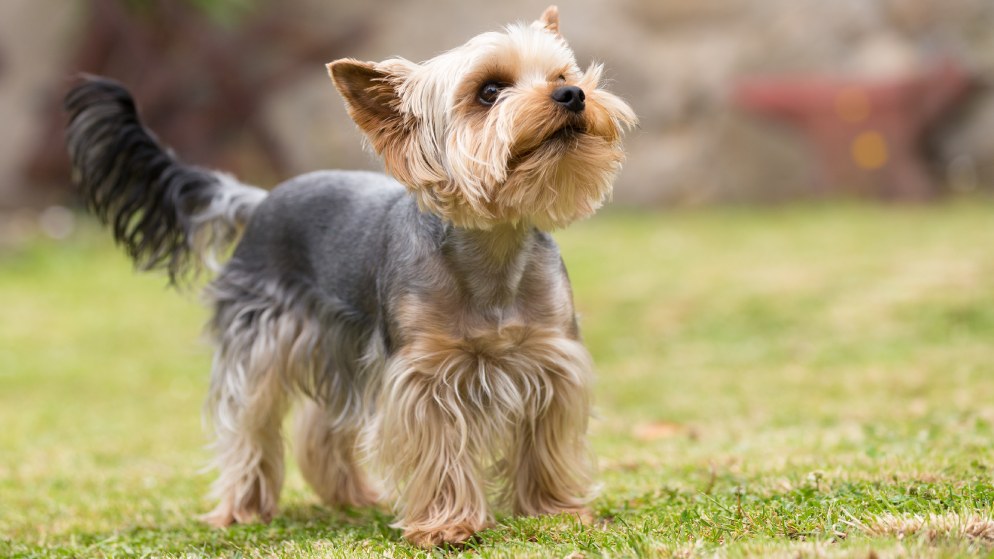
(168,215)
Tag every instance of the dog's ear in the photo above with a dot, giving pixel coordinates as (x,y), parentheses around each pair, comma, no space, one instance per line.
(549,20)
(371,96)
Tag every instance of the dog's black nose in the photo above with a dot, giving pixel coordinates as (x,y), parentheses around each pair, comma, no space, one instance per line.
(569,96)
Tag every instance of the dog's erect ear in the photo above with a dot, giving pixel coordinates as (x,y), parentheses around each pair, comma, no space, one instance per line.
(370,92)
(549,20)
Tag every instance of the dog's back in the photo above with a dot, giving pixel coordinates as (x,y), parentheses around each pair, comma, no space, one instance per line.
(328,229)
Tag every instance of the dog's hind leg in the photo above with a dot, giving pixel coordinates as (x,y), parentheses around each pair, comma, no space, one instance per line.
(247,404)
(326,452)
(262,345)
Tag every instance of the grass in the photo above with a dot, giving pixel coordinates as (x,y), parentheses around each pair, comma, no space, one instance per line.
(804,381)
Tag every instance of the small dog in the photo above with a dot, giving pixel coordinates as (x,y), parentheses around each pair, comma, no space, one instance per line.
(426,326)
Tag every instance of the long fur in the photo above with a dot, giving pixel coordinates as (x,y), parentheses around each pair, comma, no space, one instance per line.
(515,402)
(167,215)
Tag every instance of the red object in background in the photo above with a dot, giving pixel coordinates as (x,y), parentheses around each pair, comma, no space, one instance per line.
(868,134)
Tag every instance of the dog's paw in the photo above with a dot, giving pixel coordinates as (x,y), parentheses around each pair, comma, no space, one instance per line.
(224,515)
(362,497)
(355,494)
(220,517)
(454,535)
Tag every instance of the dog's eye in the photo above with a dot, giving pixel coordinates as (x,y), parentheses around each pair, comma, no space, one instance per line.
(561,78)
(489,92)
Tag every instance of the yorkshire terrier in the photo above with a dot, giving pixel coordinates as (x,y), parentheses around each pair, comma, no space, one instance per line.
(425,324)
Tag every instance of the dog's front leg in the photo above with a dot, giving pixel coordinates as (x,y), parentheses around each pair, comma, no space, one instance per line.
(550,466)
(428,444)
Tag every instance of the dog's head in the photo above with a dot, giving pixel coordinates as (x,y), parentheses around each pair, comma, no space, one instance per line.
(503,129)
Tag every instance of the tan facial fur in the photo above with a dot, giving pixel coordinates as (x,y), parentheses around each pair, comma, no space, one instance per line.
(525,159)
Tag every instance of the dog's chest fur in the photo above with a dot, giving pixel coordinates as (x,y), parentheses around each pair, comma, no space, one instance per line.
(487,322)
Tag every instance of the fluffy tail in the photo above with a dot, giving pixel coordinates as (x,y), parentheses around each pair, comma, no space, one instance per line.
(168,215)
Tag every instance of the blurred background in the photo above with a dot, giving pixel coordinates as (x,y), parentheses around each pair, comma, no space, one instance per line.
(823,311)
(740,100)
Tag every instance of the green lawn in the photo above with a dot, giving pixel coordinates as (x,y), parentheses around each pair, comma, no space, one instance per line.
(804,381)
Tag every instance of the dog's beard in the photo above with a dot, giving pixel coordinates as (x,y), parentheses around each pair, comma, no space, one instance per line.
(567,177)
